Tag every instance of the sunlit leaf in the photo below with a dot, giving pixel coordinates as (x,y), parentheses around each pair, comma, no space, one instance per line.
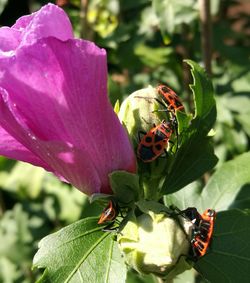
(195,155)
(221,190)
(80,252)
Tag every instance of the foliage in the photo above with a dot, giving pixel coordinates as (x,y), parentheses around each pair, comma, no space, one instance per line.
(230,258)
(146,42)
(79,243)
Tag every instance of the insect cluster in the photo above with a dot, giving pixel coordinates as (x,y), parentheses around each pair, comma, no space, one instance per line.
(203,226)
(152,145)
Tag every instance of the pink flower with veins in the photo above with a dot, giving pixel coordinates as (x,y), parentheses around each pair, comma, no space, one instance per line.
(54,109)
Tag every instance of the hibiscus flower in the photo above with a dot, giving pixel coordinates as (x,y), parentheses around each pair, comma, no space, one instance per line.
(54,108)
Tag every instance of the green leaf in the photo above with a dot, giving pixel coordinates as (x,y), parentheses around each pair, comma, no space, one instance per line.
(117,107)
(18,235)
(15,233)
(153,57)
(80,252)
(125,186)
(3,3)
(195,155)
(165,12)
(215,7)
(238,103)
(187,277)
(131,4)
(135,277)
(234,140)
(29,183)
(243,119)
(183,120)
(172,13)
(63,202)
(8,270)
(205,108)
(242,200)
(229,258)
(226,183)
(190,164)
(186,197)
(223,190)
(156,207)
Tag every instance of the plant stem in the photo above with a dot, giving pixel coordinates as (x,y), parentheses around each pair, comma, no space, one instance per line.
(206,44)
(206,34)
(160,280)
(2,204)
(83,19)
(185,52)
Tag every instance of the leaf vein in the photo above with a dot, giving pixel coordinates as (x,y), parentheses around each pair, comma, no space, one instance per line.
(85,256)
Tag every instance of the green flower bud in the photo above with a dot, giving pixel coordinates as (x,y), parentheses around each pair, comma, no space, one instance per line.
(138,112)
(156,243)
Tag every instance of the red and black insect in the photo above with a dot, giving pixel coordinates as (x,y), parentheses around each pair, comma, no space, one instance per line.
(170,98)
(155,141)
(203,226)
(109,213)
(203,234)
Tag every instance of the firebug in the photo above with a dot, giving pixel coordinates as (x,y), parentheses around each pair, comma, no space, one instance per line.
(170,98)
(155,141)
(203,226)
(109,213)
(203,235)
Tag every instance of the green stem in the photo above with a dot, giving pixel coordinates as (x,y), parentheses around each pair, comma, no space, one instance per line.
(184,50)
(160,280)
(206,34)
(150,188)
(83,19)
(2,204)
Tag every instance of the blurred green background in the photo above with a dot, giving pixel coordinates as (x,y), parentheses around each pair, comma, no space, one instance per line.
(146,42)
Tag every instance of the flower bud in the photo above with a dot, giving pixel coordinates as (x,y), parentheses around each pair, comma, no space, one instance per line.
(138,112)
(156,243)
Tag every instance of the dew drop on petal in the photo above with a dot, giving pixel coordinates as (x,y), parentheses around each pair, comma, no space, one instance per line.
(32,136)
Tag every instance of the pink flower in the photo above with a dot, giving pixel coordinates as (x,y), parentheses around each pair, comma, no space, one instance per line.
(54,110)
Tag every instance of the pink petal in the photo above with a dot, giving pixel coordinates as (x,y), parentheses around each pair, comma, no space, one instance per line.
(65,160)
(50,20)
(12,149)
(57,107)
(9,40)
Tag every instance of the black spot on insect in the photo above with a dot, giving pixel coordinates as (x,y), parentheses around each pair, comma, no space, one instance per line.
(148,139)
(158,147)
(146,153)
(159,136)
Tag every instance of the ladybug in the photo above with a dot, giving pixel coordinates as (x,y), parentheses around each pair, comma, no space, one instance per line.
(170,98)
(109,213)
(155,141)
